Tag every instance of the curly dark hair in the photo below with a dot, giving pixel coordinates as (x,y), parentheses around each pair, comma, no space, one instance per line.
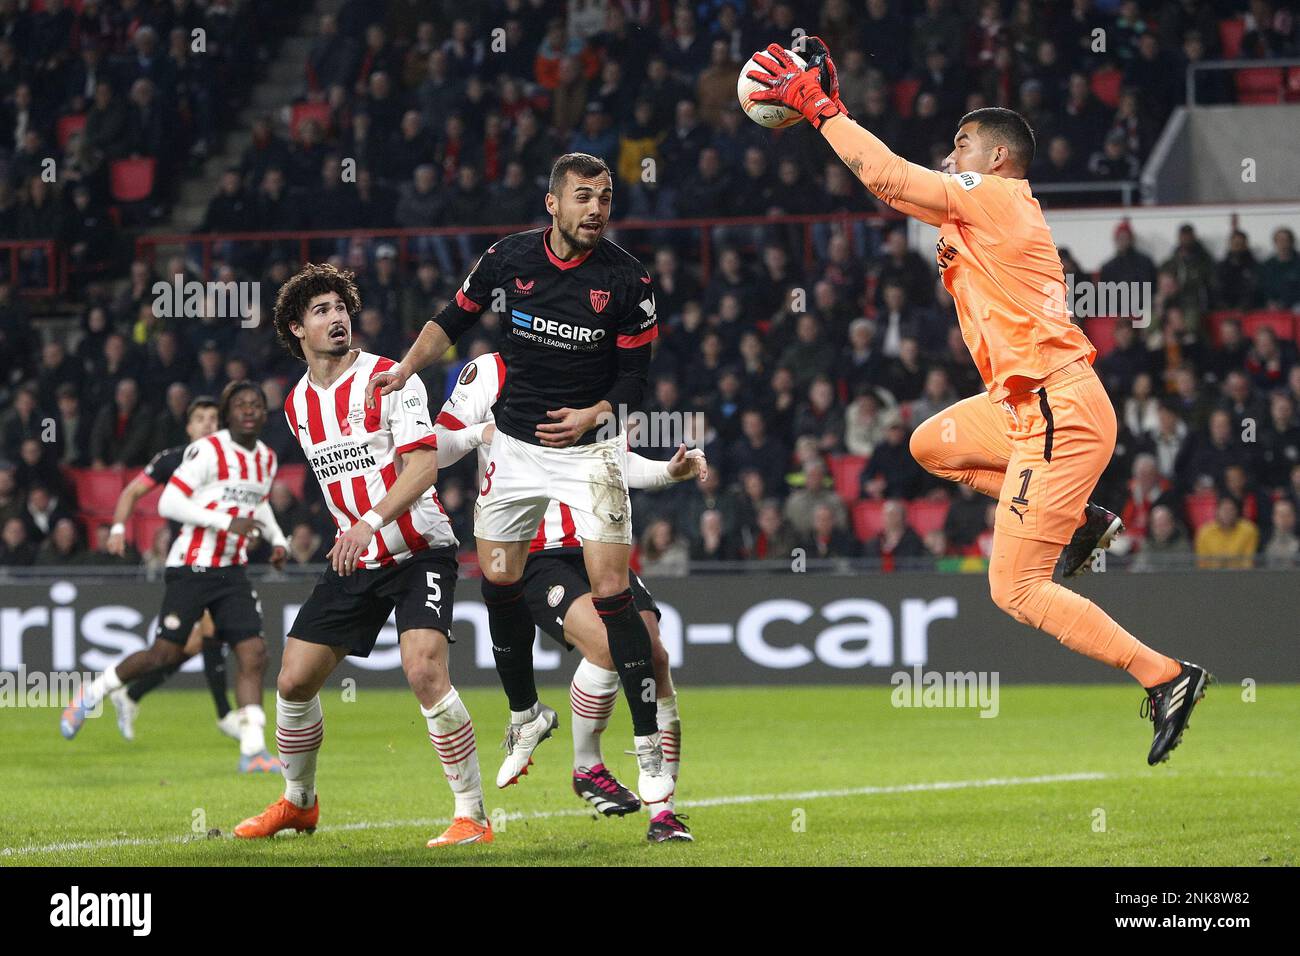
(294,296)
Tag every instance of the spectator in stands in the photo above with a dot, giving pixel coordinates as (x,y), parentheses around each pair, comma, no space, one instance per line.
(1141,408)
(1165,545)
(1113,161)
(904,265)
(1283,547)
(122,430)
(16,551)
(1128,264)
(1229,541)
(1147,489)
(905,374)
(1279,442)
(892,471)
(71,428)
(1168,439)
(169,423)
(772,539)
(1126,360)
(63,545)
(1279,275)
(305,545)
(1237,484)
(208,377)
(1083,120)
(1269,361)
(896,539)
(711,541)
(1246,408)
(662,553)
(935,397)
(820,416)
(1237,276)
(965,518)
(815,491)
(827,538)
(1193,267)
(44,511)
(24,420)
(1058,165)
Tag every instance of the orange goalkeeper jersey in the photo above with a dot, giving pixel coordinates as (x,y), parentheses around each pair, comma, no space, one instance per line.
(998,260)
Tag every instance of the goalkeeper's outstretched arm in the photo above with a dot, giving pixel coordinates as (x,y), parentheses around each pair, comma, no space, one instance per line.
(911,189)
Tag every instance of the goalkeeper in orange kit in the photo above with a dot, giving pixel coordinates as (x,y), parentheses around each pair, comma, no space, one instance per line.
(1041,436)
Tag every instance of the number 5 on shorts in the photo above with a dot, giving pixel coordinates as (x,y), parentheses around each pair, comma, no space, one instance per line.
(435,589)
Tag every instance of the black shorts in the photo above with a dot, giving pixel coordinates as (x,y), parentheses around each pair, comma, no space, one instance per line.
(351,611)
(554,579)
(225,592)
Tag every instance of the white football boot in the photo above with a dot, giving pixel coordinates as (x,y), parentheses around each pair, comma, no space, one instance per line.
(229,725)
(126,710)
(655,784)
(521,740)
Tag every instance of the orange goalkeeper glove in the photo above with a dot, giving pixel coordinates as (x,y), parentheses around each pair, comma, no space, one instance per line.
(794,87)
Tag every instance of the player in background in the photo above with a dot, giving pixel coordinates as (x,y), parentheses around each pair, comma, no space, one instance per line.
(1042,435)
(395,549)
(559,599)
(582,319)
(219,494)
(200,422)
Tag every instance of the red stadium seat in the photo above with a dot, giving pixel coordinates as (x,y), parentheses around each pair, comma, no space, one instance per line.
(846,472)
(295,476)
(143,528)
(320,112)
(1259,85)
(926,516)
(1101,333)
(1216,319)
(1200,508)
(868,518)
(131,180)
(905,96)
(1106,86)
(1231,32)
(72,123)
(1281,322)
(1293,84)
(97,489)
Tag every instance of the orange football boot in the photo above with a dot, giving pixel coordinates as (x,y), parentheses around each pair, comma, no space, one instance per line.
(463,830)
(281,815)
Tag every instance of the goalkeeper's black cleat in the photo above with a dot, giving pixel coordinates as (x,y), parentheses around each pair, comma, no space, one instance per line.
(1169,706)
(1096,533)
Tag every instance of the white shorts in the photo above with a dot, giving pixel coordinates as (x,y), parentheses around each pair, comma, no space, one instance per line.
(521,479)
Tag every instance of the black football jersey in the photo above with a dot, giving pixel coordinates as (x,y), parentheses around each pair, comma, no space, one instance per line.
(573,332)
(160,467)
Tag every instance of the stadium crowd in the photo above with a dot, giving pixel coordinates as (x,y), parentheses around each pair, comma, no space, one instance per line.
(804,401)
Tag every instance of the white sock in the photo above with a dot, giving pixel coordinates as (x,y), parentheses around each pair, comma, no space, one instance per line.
(252,730)
(452,733)
(299,730)
(670,737)
(523,716)
(592,696)
(100,687)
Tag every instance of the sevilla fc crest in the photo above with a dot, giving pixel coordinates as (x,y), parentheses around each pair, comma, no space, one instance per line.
(599,300)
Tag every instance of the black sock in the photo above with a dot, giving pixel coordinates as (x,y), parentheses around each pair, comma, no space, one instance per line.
(629,646)
(511,624)
(214,669)
(142,685)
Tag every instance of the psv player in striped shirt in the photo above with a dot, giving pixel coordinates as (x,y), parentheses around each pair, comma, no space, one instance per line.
(395,550)
(219,494)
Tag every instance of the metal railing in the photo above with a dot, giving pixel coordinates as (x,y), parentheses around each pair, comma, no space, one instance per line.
(1239,64)
(1125,187)
(708,234)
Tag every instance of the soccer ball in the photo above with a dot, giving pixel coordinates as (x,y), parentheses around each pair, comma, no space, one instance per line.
(771,115)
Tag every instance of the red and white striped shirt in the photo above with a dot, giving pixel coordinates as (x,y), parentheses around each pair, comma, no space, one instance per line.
(218,474)
(355,453)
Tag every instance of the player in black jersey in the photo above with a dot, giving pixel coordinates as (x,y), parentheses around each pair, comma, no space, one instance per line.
(200,421)
(580,320)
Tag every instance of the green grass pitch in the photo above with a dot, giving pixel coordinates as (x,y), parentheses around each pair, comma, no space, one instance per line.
(789,776)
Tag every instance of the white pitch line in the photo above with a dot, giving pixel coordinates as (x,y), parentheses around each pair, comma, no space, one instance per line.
(738,799)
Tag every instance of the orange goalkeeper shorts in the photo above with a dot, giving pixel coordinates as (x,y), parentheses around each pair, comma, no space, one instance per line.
(1062,437)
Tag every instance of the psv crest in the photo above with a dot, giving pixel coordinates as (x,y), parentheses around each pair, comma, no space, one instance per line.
(599,300)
